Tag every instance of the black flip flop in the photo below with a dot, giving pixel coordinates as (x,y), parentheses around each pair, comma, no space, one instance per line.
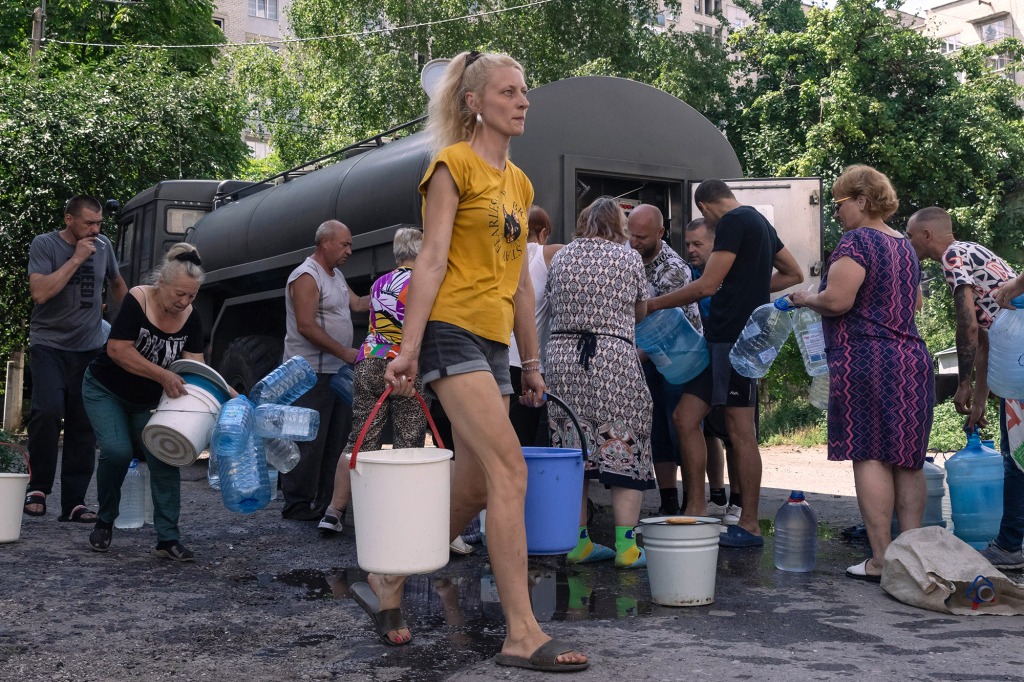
(543,659)
(35,497)
(384,621)
(78,515)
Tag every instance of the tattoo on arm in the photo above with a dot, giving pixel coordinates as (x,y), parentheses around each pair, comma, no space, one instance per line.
(966,346)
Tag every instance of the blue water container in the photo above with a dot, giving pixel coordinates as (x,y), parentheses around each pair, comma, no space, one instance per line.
(1006,352)
(672,344)
(285,384)
(796,535)
(553,489)
(286,421)
(341,384)
(975,479)
(234,423)
(244,480)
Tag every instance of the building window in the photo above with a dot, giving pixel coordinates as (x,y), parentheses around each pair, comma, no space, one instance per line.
(950,44)
(219,23)
(660,19)
(707,7)
(994,30)
(265,9)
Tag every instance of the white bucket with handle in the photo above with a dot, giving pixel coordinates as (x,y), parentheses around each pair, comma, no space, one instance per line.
(180,427)
(682,558)
(402,504)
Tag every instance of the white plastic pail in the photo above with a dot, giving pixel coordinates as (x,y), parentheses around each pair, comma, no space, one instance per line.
(402,503)
(180,427)
(12,505)
(682,560)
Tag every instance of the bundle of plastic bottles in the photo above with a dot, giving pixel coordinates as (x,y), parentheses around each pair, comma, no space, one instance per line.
(260,431)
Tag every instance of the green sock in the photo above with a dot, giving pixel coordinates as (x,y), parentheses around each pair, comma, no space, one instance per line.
(583,547)
(626,551)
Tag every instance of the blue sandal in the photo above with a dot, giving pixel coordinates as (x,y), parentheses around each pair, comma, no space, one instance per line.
(735,536)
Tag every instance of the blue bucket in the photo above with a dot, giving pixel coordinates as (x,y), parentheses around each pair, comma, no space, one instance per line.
(553,492)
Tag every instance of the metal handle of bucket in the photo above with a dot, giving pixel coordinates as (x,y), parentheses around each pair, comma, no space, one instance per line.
(572,417)
(373,413)
(24,454)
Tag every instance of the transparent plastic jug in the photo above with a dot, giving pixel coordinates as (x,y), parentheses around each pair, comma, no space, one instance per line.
(286,421)
(1006,352)
(760,341)
(282,455)
(809,336)
(131,513)
(796,535)
(677,350)
(285,384)
(244,480)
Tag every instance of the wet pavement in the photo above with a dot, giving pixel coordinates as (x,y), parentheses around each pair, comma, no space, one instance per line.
(267,599)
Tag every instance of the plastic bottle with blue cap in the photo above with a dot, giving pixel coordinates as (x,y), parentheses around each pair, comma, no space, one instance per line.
(975,478)
(809,336)
(764,335)
(796,535)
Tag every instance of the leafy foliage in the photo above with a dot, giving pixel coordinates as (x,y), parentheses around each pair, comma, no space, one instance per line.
(12,455)
(110,130)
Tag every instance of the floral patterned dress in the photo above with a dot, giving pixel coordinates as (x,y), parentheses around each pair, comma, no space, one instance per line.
(593,287)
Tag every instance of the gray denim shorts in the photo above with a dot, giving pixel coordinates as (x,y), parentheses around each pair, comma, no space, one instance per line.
(448,350)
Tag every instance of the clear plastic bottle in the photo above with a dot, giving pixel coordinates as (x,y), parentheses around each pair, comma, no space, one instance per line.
(282,454)
(244,481)
(809,336)
(286,421)
(147,516)
(131,513)
(1006,352)
(213,471)
(975,478)
(760,341)
(272,476)
(818,393)
(234,423)
(285,384)
(796,535)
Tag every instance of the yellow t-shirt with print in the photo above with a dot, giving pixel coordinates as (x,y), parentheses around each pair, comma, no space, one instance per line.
(488,243)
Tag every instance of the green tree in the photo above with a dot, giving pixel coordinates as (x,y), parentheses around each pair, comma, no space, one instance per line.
(110,130)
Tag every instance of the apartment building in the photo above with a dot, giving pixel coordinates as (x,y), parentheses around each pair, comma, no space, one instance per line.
(971,22)
(701,16)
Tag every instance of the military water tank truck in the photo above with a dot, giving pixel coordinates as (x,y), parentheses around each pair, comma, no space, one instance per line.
(585,137)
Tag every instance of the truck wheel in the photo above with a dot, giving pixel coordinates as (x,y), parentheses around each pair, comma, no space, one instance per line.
(250,358)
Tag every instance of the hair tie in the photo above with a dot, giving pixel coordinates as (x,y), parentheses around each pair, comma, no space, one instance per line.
(472,57)
(191,257)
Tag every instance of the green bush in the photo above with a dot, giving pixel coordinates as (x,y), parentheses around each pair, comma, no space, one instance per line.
(793,422)
(12,458)
(948,428)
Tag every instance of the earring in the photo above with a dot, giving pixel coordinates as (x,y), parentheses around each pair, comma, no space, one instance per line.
(479,118)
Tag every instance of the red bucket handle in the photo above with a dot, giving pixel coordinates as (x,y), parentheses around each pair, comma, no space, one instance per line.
(373,413)
(24,454)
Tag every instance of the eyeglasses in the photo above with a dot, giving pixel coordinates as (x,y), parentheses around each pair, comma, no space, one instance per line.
(837,202)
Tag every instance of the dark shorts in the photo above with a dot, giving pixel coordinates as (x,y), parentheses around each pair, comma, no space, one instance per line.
(449,350)
(720,384)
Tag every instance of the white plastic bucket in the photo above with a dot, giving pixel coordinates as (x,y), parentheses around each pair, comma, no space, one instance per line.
(180,427)
(682,560)
(12,505)
(402,502)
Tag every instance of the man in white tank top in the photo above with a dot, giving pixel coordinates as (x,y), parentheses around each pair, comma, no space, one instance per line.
(319,307)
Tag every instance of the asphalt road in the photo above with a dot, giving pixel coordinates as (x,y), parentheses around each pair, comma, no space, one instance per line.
(267,599)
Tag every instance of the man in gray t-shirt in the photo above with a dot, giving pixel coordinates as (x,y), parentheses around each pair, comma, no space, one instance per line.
(66,270)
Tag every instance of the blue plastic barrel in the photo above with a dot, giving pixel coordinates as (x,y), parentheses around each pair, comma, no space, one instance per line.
(672,344)
(553,491)
(975,478)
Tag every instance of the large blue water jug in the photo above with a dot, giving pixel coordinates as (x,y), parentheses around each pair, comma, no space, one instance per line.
(672,344)
(285,384)
(975,479)
(234,422)
(796,535)
(244,480)
(1006,352)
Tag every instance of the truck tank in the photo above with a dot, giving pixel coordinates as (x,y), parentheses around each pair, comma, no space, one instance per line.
(584,137)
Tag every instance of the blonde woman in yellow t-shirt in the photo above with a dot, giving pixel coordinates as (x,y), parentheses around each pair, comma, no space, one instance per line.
(469,278)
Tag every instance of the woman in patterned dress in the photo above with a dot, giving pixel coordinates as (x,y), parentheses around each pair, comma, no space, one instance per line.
(882,391)
(598,292)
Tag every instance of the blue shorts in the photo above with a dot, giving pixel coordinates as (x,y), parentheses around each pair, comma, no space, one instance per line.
(449,350)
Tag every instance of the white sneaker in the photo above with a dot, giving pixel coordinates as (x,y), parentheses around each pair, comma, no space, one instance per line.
(718,510)
(732,515)
(459,546)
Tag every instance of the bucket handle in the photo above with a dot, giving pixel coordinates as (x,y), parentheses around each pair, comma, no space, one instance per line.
(572,417)
(373,413)
(24,454)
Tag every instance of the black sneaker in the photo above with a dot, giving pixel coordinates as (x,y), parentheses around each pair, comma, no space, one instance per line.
(99,539)
(176,552)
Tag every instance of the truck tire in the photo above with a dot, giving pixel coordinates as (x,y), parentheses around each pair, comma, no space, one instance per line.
(250,358)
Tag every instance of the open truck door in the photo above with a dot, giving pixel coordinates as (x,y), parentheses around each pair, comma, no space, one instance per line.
(793,206)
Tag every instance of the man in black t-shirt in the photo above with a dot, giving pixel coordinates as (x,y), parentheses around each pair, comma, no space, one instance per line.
(739,277)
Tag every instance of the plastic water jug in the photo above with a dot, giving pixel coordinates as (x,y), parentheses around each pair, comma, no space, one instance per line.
(234,423)
(677,349)
(212,471)
(935,479)
(760,341)
(975,478)
(1006,352)
(285,384)
(341,384)
(272,476)
(286,421)
(282,455)
(809,336)
(131,513)
(147,516)
(796,535)
(818,393)
(244,480)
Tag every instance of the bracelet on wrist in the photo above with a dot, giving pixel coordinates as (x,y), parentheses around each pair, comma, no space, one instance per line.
(531,369)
